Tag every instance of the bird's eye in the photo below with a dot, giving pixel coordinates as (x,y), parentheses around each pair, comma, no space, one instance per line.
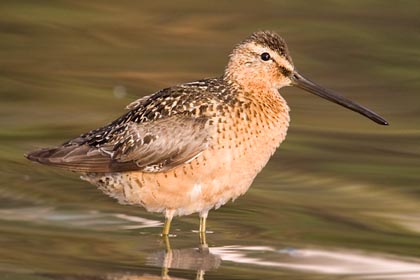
(265,56)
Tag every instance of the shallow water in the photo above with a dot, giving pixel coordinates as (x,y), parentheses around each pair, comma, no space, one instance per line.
(339,200)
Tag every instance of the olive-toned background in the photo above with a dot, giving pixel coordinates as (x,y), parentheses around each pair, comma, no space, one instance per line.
(339,200)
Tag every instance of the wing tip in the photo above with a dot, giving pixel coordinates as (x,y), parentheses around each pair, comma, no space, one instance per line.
(41,155)
(63,157)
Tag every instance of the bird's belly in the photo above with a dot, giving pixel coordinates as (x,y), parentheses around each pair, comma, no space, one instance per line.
(221,173)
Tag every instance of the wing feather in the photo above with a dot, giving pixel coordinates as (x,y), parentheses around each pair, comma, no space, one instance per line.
(149,147)
(158,133)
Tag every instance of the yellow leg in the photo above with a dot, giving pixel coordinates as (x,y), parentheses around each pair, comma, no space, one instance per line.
(202,228)
(166,227)
(168,219)
(165,240)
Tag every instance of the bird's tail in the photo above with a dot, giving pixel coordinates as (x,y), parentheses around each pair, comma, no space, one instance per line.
(47,156)
(63,157)
(79,158)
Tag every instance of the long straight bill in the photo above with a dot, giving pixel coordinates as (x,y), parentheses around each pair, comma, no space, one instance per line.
(306,84)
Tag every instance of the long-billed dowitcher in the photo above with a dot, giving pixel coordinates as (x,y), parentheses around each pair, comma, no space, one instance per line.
(195,146)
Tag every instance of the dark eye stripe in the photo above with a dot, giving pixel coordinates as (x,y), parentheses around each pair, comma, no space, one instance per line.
(285,71)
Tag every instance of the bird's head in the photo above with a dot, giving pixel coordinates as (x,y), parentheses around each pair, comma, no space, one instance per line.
(262,63)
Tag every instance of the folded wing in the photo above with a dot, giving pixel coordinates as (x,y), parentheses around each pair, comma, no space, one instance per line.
(148,147)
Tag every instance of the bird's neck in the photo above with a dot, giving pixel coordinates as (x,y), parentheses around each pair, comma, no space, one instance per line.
(245,81)
(258,93)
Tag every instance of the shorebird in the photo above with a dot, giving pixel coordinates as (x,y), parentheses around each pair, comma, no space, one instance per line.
(195,146)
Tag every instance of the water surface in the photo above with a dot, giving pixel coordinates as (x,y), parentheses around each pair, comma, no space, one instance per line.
(339,200)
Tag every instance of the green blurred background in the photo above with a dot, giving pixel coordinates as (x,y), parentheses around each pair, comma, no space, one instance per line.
(339,200)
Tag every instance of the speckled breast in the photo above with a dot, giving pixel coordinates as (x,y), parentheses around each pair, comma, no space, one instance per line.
(245,136)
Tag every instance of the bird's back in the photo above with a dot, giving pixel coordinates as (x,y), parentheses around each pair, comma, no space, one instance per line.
(159,132)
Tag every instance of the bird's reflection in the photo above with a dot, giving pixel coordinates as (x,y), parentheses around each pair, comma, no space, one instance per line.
(197,259)
(359,265)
